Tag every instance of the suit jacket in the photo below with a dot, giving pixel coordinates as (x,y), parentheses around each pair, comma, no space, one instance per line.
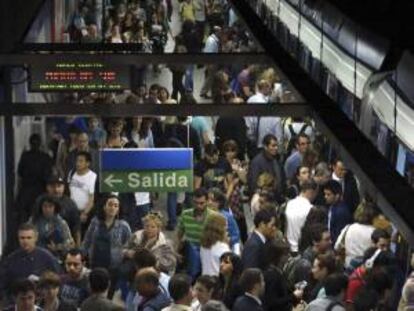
(246,303)
(351,194)
(99,302)
(252,255)
(339,218)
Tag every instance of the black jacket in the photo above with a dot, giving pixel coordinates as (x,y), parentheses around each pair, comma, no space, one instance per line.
(252,256)
(246,303)
(277,295)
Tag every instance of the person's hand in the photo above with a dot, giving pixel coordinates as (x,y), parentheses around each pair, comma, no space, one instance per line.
(84,217)
(298,293)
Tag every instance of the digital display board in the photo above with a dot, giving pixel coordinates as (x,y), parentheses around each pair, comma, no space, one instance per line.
(79,76)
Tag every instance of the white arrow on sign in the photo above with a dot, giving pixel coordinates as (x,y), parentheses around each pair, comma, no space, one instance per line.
(110,181)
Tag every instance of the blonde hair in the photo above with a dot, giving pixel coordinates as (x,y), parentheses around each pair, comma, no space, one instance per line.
(154,217)
(269,75)
(214,231)
(265,180)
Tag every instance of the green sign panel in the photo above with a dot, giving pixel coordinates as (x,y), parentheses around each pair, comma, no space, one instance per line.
(147,181)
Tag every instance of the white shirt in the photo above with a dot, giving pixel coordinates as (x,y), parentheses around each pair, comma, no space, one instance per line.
(142,198)
(357,240)
(296,212)
(210,258)
(258,98)
(81,187)
(212,44)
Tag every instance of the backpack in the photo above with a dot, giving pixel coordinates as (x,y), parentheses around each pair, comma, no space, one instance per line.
(291,144)
(289,270)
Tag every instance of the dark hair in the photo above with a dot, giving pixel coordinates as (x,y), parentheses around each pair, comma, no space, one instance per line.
(147,277)
(208,281)
(379,279)
(179,286)
(335,283)
(100,214)
(333,186)
(317,215)
(249,278)
(236,263)
(200,192)
(211,149)
(219,196)
(75,252)
(144,258)
(316,232)
(85,154)
(308,185)
(38,210)
(268,139)
(49,278)
(273,252)
(366,299)
(327,261)
(34,138)
(379,234)
(301,135)
(264,215)
(99,280)
(230,144)
(23,286)
(27,227)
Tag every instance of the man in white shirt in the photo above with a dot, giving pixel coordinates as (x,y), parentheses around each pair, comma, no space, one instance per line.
(296,212)
(264,89)
(82,185)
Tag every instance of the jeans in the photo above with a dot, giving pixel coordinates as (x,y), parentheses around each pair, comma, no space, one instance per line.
(172,209)
(192,253)
(189,80)
(137,213)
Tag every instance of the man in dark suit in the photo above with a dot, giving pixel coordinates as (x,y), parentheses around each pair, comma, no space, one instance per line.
(348,184)
(99,283)
(252,282)
(265,228)
(338,215)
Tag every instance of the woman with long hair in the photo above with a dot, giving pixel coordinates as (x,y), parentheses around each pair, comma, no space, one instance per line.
(231,268)
(141,133)
(218,202)
(214,243)
(106,238)
(115,138)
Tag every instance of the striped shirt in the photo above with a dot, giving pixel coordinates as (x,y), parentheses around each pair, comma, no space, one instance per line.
(191,227)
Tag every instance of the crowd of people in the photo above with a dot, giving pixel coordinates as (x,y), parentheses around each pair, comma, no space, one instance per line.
(147,23)
(315,242)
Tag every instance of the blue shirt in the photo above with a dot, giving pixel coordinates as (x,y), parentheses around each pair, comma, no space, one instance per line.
(232,227)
